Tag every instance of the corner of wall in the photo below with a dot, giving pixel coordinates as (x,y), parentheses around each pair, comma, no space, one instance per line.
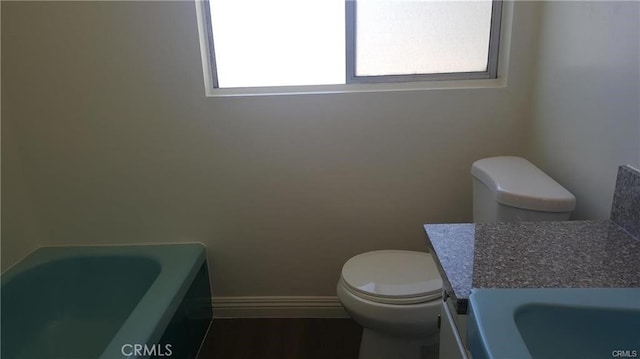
(584,116)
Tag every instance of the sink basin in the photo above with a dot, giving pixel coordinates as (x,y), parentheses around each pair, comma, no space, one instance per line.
(554,330)
(554,323)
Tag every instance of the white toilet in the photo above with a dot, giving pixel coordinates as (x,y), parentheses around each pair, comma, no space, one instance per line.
(395,295)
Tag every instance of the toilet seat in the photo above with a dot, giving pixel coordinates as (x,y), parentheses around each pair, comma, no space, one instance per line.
(393,277)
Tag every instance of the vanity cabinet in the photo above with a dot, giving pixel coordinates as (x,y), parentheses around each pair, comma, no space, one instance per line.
(452,333)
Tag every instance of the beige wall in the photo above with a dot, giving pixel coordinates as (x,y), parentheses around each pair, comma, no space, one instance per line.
(19,227)
(586,118)
(20,232)
(120,145)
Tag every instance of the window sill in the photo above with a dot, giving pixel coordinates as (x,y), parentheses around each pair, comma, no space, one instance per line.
(358,88)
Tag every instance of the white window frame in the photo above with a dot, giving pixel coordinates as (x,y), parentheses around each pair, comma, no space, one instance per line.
(497,64)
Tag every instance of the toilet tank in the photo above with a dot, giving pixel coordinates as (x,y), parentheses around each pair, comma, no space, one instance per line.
(512,189)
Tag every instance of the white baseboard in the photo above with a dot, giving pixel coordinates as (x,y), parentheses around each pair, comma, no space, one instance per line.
(277,307)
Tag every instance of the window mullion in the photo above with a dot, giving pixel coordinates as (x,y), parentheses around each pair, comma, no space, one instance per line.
(350,40)
(494,38)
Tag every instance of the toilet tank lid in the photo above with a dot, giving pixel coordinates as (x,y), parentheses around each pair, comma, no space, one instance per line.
(519,183)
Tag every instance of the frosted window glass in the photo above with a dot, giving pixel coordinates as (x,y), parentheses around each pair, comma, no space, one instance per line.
(278,42)
(402,37)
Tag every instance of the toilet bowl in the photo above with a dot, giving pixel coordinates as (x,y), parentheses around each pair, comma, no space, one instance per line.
(395,295)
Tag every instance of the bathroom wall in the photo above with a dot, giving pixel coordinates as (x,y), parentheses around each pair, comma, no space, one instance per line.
(20,231)
(586,116)
(119,145)
(19,228)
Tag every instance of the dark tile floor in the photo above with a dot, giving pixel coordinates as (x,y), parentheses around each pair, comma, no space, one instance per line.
(282,339)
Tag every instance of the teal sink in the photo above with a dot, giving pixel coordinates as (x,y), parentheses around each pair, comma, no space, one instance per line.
(554,323)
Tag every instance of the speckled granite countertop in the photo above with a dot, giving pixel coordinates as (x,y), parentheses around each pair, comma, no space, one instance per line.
(451,246)
(574,254)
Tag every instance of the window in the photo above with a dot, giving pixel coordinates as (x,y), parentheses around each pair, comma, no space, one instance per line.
(261,43)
